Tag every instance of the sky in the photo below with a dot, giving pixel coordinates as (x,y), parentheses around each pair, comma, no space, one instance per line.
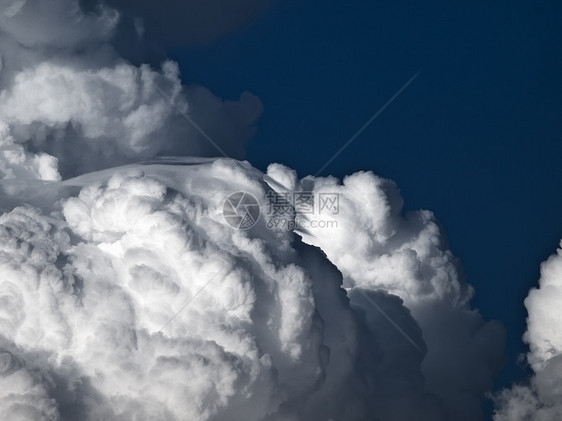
(475,138)
(150,267)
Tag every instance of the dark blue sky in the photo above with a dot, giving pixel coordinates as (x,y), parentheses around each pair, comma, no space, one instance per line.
(476,138)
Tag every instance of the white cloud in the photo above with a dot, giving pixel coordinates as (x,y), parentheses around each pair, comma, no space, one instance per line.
(126,295)
(272,337)
(379,249)
(70,104)
(541,399)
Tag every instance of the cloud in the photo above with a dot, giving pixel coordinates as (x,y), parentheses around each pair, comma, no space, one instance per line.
(377,248)
(540,399)
(269,333)
(126,295)
(63,23)
(71,105)
(246,345)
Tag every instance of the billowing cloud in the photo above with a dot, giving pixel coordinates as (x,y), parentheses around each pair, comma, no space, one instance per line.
(70,104)
(136,280)
(541,399)
(63,23)
(127,295)
(268,333)
(378,248)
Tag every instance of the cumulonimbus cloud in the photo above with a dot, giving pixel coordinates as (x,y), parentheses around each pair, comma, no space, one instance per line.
(268,334)
(126,294)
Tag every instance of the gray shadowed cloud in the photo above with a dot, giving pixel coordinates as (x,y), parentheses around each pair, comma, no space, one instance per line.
(71,104)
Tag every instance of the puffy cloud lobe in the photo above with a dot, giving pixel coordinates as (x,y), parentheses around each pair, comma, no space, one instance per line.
(268,333)
(29,251)
(78,115)
(543,304)
(29,280)
(142,261)
(102,308)
(379,249)
(71,105)
(540,399)
(24,391)
(17,163)
(406,256)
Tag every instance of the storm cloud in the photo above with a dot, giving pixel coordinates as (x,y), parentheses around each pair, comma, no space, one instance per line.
(125,294)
